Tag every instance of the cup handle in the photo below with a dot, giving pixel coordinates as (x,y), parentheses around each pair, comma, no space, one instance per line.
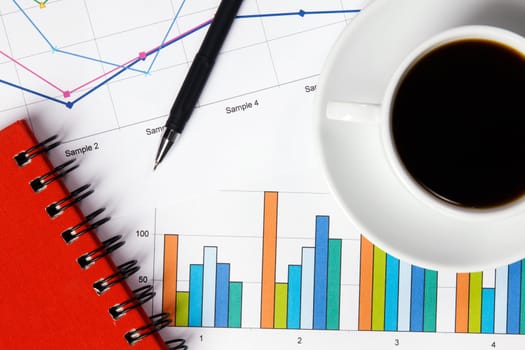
(353,112)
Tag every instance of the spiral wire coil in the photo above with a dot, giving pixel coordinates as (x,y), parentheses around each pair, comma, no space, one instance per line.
(140,295)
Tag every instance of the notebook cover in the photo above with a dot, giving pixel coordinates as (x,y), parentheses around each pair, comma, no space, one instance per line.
(48,301)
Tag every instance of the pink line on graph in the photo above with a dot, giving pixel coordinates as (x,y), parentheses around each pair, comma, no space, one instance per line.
(18,63)
(122,66)
(141,56)
(179,36)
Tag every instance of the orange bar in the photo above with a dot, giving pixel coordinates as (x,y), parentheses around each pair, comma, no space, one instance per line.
(269,259)
(169,287)
(365,285)
(462,300)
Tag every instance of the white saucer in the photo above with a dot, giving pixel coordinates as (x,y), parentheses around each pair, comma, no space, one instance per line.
(358,70)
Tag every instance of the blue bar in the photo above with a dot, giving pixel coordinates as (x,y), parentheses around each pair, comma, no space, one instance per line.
(391,293)
(294,296)
(405,280)
(195,308)
(307,288)
(208,286)
(321,271)
(514,298)
(222,295)
(417,299)
(500,300)
(487,310)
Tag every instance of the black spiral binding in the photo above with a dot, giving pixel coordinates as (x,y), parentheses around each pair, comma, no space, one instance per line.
(24,157)
(124,271)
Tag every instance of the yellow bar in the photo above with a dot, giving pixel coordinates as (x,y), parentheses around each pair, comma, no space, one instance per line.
(378,291)
(474,307)
(183,307)
(281,305)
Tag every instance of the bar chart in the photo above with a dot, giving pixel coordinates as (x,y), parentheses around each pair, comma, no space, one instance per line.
(309,299)
(491,301)
(272,261)
(394,295)
(212,299)
(330,280)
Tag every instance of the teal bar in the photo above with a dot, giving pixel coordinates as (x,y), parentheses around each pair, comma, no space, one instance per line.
(430,302)
(334,284)
(235,307)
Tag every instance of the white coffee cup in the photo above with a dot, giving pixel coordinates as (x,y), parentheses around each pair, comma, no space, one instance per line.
(368,179)
(380,115)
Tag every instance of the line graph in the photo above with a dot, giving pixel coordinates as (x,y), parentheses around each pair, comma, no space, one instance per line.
(84,89)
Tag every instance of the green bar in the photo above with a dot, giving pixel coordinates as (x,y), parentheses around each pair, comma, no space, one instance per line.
(235,307)
(474,304)
(522,300)
(183,302)
(281,305)
(334,284)
(378,290)
(430,303)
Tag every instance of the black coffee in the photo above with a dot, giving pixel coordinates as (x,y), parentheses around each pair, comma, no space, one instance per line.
(458,123)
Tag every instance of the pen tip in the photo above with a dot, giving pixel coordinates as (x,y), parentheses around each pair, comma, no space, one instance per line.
(155,166)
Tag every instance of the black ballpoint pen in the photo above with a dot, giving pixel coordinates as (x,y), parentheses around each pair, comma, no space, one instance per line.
(197,75)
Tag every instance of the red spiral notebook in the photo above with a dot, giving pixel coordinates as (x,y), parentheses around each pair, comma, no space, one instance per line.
(60,287)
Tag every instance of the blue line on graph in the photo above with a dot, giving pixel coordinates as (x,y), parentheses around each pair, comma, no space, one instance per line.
(156,52)
(57,50)
(166,36)
(97,60)
(5,82)
(300,13)
(34,25)
(105,81)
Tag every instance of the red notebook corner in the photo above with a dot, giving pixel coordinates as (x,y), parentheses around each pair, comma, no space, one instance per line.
(60,288)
